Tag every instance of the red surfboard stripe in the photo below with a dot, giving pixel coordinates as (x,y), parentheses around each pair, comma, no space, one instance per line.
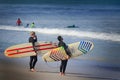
(29,51)
(28,47)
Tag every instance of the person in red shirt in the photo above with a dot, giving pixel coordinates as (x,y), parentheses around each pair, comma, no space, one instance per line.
(19,22)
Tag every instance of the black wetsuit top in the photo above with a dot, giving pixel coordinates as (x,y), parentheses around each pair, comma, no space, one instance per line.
(33,40)
(61,43)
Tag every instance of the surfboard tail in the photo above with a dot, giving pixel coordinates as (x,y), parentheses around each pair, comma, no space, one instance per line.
(56,54)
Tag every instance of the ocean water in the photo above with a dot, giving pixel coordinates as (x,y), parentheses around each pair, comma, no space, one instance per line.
(97,23)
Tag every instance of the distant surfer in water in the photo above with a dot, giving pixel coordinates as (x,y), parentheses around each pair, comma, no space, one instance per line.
(63,62)
(19,22)
(27,25)
(32,25)
(73,26)
(33,59)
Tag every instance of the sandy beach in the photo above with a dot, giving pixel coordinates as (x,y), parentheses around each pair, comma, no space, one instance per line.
(18,69)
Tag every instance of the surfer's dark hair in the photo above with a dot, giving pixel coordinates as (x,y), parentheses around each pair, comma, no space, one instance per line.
(59,38)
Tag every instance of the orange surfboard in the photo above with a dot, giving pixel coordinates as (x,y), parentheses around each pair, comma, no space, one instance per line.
(26,49)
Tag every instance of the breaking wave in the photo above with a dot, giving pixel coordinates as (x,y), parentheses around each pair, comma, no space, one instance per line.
(80,34)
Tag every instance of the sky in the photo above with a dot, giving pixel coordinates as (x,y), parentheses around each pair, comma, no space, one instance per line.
(106,2)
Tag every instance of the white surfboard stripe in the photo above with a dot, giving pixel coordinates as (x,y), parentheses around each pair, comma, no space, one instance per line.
(60,56)
(53,55)
(57,55)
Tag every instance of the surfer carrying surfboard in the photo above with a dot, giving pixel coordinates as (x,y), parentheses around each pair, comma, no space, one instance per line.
(33,59)
(63,62)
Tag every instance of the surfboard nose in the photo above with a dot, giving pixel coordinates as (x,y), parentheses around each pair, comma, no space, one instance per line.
(85,46)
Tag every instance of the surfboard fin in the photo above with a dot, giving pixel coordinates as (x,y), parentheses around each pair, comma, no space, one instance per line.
(44,59)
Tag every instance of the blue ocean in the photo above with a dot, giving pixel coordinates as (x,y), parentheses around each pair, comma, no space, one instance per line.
(97,23)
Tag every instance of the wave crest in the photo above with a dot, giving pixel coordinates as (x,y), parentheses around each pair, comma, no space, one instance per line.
(80,34)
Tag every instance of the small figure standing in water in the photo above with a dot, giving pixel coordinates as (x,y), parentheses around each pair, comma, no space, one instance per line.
(19,22)
(32,25)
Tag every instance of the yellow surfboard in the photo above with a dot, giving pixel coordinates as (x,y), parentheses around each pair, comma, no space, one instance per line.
(26,49)
(76,49)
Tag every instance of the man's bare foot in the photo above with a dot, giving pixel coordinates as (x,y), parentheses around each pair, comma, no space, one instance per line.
(32,70)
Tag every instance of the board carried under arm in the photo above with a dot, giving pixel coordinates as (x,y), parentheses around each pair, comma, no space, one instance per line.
(56,54)
(26,49)
(76,49)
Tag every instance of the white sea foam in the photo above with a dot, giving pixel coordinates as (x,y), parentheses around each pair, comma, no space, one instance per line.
(80,34)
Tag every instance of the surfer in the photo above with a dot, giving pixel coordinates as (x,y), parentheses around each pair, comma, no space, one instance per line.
(32,25)
(33,59)
(27,25)
(63,62)
(19,22)
(73,26)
